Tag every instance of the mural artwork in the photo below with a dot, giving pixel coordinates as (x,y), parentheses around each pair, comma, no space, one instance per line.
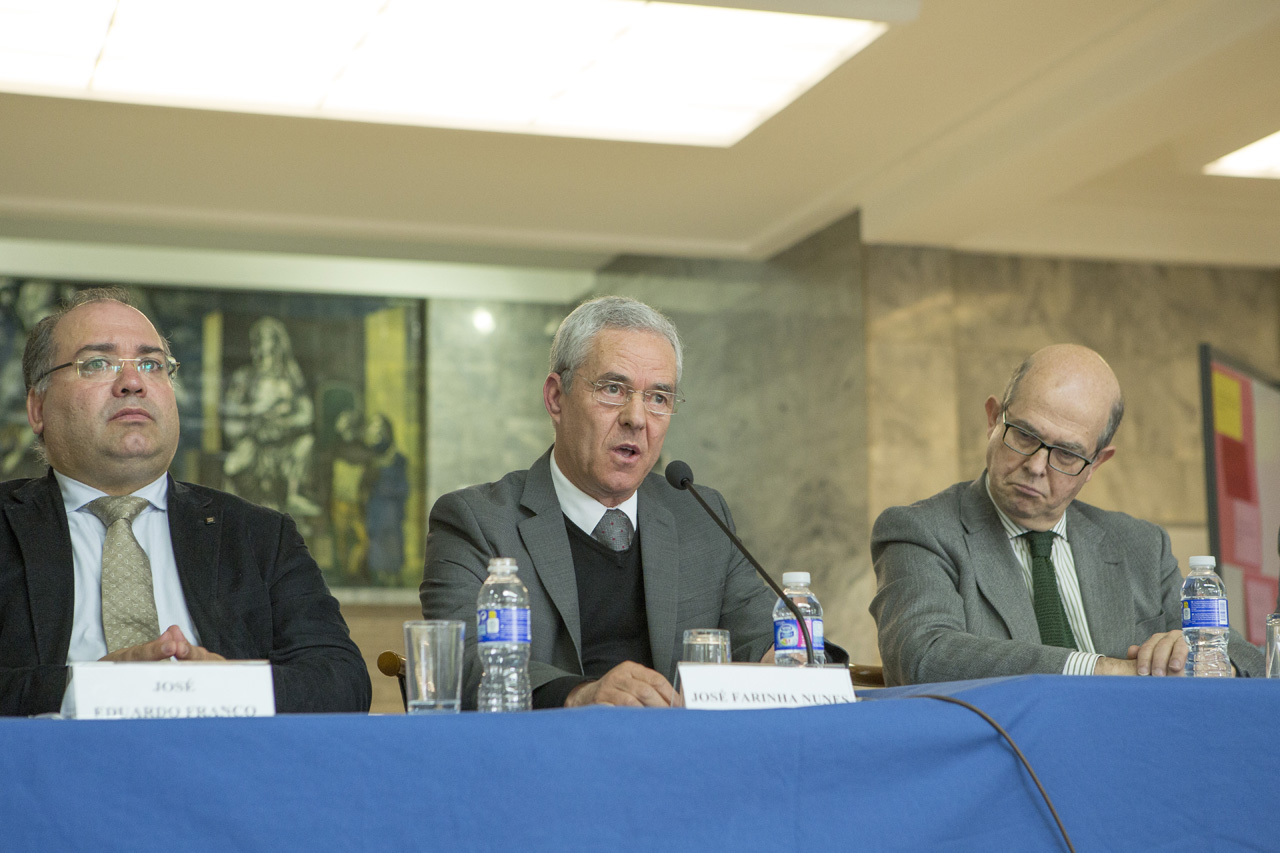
(312,405)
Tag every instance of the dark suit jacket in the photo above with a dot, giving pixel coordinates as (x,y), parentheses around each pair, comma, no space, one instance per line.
(951,602)
(251,586)
(693,576)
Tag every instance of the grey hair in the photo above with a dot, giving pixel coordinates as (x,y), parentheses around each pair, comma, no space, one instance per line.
(1113,419)
(573,339)
(38,355)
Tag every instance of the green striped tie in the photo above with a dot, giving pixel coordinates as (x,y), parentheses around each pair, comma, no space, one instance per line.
(1055,630)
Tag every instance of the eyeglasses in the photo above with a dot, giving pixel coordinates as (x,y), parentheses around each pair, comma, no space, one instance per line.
(100,368)
(1028,444)
(613,393)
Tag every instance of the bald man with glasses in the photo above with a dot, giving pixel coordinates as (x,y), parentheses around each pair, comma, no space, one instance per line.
(108,557)
(1010,574)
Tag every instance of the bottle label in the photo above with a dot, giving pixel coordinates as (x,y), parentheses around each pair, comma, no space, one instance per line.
(1204,613)
(502,625)
(787,636)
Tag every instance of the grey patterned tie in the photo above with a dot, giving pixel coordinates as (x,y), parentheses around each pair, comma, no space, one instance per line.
(128,599)
(614,530)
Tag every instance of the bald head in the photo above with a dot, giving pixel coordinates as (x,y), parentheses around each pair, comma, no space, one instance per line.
(1073,379)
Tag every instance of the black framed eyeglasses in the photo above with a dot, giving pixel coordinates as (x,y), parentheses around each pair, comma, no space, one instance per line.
(101,368)
(613,393)
(1026,443)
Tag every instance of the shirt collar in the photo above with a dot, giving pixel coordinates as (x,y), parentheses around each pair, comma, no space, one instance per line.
(582,509)
(1011,527)
(76,494)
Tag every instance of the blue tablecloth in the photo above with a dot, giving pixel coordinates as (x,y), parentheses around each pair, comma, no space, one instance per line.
(1122,759)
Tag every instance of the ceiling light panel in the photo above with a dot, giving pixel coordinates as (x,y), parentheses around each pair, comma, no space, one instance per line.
(1260,159)
(609,69)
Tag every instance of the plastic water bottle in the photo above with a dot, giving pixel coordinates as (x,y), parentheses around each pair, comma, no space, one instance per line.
(502,637)
(788,639)
(1204,620)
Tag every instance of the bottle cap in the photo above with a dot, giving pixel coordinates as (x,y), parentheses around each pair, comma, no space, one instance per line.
(502,564)
(793,578)
(1201,562)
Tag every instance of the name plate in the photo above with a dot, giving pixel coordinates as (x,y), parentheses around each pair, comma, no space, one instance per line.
(720,686)
(164,690)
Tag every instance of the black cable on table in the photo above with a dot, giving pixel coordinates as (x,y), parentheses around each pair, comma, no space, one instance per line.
(1027,764)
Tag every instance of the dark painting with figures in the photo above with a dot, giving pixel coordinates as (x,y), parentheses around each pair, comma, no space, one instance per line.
(309,404)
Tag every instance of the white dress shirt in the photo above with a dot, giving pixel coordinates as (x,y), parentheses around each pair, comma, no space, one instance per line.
(582,509)
(151,529)
(1080,662)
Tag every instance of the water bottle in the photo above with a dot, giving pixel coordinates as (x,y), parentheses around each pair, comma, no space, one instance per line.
(788,639)
(1204,620)
(502,638)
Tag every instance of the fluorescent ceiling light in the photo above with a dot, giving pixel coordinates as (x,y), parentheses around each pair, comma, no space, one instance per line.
(606,69)
(1261,159)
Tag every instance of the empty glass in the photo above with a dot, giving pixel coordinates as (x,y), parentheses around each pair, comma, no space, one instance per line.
(1273,645)
(433,666)
(706,645)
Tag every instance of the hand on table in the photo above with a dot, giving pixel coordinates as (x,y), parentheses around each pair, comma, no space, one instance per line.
(628,683)
(171,644)
(1161,654)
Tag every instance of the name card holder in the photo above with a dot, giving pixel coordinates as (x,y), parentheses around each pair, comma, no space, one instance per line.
(720,687)
(167,690)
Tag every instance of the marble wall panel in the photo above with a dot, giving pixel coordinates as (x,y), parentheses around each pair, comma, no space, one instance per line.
(1147,320)
(484,398)
(912,429)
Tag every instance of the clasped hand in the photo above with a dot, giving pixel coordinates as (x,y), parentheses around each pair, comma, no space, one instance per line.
(171,644)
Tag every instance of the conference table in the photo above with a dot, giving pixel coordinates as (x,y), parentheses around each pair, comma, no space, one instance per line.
(1136,764)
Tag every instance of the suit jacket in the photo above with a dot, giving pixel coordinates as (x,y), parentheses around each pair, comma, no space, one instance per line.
(951,602)
(693,576)
(252,589)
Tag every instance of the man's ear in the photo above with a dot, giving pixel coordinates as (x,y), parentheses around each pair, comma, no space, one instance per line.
(1103,455)
(553,396)
(993,413)
(35,412)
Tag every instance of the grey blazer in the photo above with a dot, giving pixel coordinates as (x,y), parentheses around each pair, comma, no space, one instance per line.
(693,576)
(951,602)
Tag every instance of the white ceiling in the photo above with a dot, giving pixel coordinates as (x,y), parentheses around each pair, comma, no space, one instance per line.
(1067,128)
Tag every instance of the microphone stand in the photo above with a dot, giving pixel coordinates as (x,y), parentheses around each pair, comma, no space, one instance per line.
(681,476)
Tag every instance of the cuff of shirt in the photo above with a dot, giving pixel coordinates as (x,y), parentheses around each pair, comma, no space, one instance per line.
(1080,663)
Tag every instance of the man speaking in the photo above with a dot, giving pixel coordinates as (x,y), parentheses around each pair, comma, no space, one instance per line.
(618,563)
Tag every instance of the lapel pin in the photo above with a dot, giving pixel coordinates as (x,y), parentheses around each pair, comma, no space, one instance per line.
(209,520)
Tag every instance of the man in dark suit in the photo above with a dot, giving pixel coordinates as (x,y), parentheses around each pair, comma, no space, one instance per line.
(1010,574)
(608,608)
(231,580)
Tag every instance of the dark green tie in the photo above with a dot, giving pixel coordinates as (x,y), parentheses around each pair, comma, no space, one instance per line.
(1055,630)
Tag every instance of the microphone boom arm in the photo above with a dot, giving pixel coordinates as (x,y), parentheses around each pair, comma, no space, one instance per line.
(687,484)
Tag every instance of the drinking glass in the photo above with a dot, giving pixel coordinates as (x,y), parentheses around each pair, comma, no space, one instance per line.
(1273,645)
(433,665)
(706,645)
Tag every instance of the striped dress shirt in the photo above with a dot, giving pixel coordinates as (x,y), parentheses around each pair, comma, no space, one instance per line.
(1080,662)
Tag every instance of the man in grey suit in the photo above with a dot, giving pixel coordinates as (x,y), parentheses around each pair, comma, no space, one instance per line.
(1010,574)
(608,606)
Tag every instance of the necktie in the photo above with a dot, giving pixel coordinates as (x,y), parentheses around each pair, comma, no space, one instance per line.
(614,530)
(128,600)
(1050,614)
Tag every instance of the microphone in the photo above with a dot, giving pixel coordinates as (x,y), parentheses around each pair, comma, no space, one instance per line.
(680,476)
